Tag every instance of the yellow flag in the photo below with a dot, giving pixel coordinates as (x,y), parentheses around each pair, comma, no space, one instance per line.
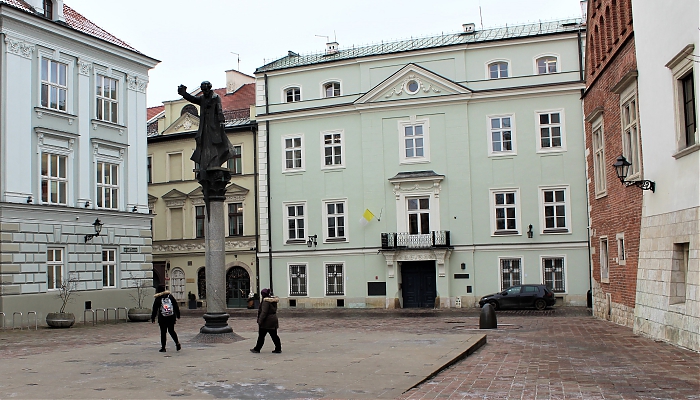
(366,217)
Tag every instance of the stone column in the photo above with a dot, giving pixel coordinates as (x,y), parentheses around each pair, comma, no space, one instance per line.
(214,187)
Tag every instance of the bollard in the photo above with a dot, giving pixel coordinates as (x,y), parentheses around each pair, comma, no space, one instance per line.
(487,318)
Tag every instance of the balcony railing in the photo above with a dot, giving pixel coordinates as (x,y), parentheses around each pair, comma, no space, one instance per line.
(403,240)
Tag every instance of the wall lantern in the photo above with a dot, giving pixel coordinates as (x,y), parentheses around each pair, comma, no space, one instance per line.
(312,241)
(98,228)
(622,167)
(529,232)
(463,266)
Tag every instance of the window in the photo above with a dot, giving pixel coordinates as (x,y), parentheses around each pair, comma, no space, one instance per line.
(554,206)
(297,280)
(107,185)
(604,260)
(414,141)
(292,94)
(334,280)
(175,167)
(501,135)
(550,128)
(599,177)
(296,221)
(293,153)
(688,109)
(54,270)
(630,136)
(235,164)
(505,212)
(621,255)
(335,221)
(679,273)
(107,102)
(199,218)
(149,169)
(554,273)
(109,268)
(498,70)
(332,149)
(418,215)
(331,89)
(546,65)
(48,9)
(54,179)
(510,272)
(235,219)
(681,66)
(54,87)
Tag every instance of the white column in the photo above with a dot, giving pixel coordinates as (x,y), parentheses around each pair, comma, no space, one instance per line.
(135,105)
(84,162)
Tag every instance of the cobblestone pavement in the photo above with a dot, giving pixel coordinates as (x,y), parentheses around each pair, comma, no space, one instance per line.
(561,353)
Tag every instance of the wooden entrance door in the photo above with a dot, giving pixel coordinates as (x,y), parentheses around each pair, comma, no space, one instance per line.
(418,284)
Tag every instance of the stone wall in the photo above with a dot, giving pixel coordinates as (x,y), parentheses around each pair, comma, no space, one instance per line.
(605,308)
(664,310)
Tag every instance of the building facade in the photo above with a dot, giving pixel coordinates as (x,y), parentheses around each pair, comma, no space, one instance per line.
(176,199)
(612,129)
(668,281)
(425,173)
(72,152)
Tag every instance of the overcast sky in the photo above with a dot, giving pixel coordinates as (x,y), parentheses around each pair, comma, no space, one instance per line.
(195,39)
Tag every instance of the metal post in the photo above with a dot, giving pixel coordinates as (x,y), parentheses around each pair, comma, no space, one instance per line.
(85,319)
(20,320)
(3,320)
(104,313)
(126,312)
(36,320)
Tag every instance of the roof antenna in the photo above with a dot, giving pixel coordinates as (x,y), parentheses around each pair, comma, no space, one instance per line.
(327,38)
(239,61)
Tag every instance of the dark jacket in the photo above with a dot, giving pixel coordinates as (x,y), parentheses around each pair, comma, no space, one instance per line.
(267,313)
(213,147)
(156,309)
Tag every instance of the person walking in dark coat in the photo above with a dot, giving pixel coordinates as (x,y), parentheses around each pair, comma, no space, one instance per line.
(166,322)
(267,322)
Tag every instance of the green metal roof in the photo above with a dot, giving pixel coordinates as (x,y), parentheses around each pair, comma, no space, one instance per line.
(487,35)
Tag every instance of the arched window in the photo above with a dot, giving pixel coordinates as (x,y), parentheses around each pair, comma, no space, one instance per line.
(331,89)
(177,283)
(189,109)
(608,31)
(498,69)
(292,94)
(48,9)
(602,43)
(615,22)
(547,65)
(594,46)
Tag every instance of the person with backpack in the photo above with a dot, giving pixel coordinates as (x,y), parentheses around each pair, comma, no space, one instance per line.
(267,322)
(165,306)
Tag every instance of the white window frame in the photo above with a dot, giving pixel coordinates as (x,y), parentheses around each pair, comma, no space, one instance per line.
(489,63)
(489,134)
(337,239)
(285,227)
(70,63)
(331,81)
(564,271)
(500,271)
(306,280)
(413,121)
(631,149)
(53,264)
(168,178)
(419,211)
(110,265)
(284,153)
(204,220)
(621,249)
(324,146)
(604,246)
(284,93)
(61,144)
(149,169)
(492,212)
(326,278)
(102,99)
(103,187)
(562,130)
(536,70)
(228,219)
(600,180)
(681,65)
(567,209)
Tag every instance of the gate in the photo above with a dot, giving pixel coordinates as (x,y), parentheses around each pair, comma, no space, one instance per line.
(418,284)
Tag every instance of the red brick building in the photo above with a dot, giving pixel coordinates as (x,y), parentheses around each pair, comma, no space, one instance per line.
(612,129)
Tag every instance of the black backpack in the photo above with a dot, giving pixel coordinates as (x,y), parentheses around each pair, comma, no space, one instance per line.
(166,307)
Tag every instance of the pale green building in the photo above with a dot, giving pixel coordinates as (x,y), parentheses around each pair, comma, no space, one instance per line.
(467,150)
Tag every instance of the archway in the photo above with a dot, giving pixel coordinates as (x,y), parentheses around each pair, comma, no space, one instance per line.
(237,287)
(177,284)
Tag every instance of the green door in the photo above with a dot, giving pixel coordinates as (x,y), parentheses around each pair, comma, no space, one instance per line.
(237,287)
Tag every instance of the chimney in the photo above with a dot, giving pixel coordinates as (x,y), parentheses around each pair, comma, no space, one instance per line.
(469,28)
(235,79)
(331,48)
(584,10)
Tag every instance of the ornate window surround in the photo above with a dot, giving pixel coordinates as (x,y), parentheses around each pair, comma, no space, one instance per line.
(62,143)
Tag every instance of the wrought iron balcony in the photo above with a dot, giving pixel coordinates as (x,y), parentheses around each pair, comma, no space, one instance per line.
(404,240)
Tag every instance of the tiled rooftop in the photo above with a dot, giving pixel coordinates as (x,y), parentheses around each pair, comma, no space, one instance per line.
(486,35)
(76,21)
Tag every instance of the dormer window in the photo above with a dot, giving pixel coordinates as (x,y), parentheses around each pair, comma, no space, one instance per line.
(546,65)
(331,89)
(48,9)
(292,94)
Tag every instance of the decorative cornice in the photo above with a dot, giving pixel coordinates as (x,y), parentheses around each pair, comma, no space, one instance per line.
(137,83)
(84,67)
(199,246)
(19,47)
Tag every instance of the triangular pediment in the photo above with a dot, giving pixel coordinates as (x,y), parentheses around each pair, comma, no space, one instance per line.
(152,198)
(186,123)
(231,189)
(174,195)
(412,82)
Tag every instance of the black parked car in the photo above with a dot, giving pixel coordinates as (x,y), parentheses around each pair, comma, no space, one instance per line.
(521,296)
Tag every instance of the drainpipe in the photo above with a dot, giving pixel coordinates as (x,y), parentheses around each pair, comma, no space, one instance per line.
(269,208)
(257,207)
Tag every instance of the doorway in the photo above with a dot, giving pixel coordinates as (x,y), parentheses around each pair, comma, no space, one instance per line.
(418,284)
(237,287)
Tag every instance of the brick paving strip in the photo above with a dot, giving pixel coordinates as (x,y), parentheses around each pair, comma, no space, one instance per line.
(560,353)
